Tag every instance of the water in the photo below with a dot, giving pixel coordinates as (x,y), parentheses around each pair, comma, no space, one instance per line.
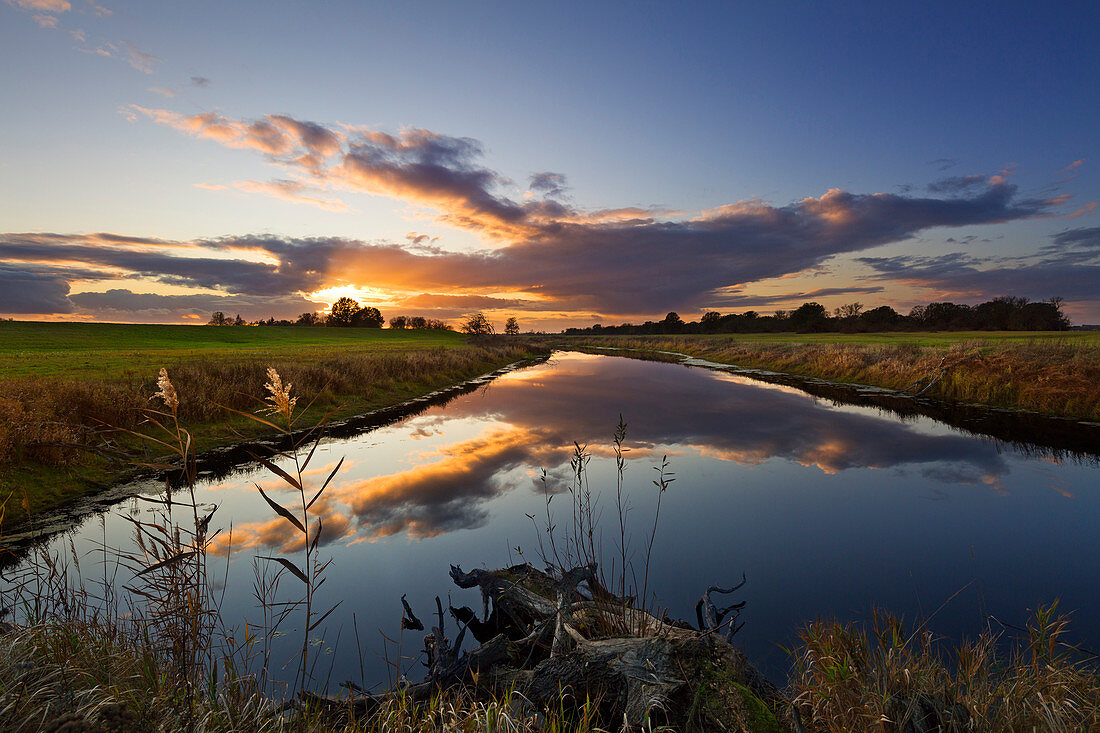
(829,510)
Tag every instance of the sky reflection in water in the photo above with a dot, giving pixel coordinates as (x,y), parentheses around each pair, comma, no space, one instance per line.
(829,510)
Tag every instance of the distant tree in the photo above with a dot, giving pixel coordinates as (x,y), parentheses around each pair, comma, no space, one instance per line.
(437,325)
(710,321)
(368,318)
(238,321)
(217,318)
(808,317)
(418,322)
(399,322)
(477,325)
(342,312)
(851,310)
(672,323)
(947,316)
(883,318)
(307,319)
(511,326)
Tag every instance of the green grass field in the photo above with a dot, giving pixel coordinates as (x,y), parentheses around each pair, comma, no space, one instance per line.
(103,350)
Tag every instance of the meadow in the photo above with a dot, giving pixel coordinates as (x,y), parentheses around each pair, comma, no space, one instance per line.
(1056,372)
(105,350)
(69,391)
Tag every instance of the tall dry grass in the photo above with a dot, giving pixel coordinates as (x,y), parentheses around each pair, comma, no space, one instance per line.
(1058,378)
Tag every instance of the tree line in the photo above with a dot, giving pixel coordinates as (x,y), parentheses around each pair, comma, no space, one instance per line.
(1000,314)
(348,313)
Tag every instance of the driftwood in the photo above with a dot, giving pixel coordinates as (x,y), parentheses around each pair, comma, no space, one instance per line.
(561,638)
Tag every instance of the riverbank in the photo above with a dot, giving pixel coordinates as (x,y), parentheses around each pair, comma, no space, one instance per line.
(1055,373)
(92,672)
(66,389)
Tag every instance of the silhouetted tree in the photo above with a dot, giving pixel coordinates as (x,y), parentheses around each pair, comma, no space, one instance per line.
(238,321)
(307,319)
(399,322)
(217,318)
(672,323)
(368,317)
(808,317)
(342,312)
(511,326)
(883,318)
(849,311)
(418,322)
(477,325)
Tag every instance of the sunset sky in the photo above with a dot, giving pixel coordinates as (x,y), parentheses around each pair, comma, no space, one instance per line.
(566,163)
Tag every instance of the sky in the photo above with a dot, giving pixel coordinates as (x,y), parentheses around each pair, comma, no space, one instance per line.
(565,163)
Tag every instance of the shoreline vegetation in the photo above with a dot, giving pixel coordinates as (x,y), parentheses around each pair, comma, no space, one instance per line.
(146,648)
(69,391)
(1054,373)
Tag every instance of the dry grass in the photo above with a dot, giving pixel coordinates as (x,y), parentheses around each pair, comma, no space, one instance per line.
(890,679)
(1049,376)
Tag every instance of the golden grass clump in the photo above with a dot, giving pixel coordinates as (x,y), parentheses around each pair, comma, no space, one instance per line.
(885,678)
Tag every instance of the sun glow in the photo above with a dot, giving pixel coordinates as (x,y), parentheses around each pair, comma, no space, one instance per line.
(361,294)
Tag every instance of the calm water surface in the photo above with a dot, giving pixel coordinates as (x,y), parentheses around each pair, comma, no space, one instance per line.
(829,510)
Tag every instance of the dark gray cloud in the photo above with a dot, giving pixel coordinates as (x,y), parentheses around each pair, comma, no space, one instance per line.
(24,292)
(122,304)
(1068,268)
(552,185)
(1086,237)
(153,260)
(738,300)
(955,184)
(943,164)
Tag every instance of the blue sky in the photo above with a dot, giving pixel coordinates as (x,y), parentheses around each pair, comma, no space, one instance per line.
(695,145)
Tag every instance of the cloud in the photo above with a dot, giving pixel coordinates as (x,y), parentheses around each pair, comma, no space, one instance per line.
(634,267)
(943,164)
(41,6)
(1087,210)
(540,253)
(551,185)
(115,255)
(123,304)
(24,292)
(1071,166)
(955,184)
(739,300)
(293,191)
(196,82)
(46,21)
(1069,267)
(131,54)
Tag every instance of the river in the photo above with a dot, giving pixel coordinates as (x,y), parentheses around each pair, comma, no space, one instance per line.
(828,509)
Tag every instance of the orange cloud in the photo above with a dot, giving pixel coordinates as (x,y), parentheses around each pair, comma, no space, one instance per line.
(1087,210)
